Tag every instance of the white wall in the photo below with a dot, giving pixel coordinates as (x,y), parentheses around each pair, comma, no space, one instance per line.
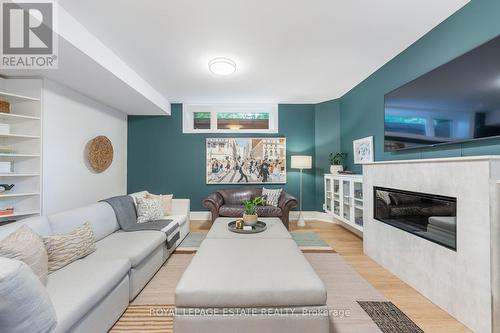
(70,120)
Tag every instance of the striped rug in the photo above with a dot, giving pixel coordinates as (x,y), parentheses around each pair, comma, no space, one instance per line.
(152,310)
(150,318)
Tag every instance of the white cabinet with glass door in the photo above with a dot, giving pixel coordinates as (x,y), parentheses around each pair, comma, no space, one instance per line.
(344,199)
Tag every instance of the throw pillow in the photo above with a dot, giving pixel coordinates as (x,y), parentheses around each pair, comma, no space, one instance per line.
(25,305)
(272,196)
(64,249)
(166,200)
(149,210)
(384,196)
(28,247)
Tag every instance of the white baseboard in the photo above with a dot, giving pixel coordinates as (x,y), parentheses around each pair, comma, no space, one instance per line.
(200,216)
(294,215)
(313,215)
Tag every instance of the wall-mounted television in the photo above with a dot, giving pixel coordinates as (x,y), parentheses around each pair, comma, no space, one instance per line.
(456,102)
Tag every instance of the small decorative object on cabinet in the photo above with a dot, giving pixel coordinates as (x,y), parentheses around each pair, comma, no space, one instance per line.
(4,106)
(337,162)
(100,153)
(4,128)
(6,211)
(5,167)
(344,200)
(6,187)
(363,150)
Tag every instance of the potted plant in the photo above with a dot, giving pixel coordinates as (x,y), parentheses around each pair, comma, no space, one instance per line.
(250,215)
(337,162)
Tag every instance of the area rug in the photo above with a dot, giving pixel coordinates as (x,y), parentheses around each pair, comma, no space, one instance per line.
(307,242)
(310,242)
(151,310)
(389,318)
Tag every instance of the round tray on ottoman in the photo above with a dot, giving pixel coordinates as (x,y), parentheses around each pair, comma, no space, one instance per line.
(258,227)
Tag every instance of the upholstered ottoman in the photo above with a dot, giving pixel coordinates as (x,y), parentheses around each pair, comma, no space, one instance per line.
(250,285)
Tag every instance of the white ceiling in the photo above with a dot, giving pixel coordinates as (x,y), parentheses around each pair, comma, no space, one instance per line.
(287,51)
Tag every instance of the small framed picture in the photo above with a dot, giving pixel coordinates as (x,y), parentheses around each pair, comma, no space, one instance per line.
(363,150)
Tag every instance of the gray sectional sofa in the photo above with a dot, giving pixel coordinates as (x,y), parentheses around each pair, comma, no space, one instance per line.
(90,294)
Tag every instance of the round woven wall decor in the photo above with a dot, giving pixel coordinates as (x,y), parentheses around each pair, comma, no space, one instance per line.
(100,153)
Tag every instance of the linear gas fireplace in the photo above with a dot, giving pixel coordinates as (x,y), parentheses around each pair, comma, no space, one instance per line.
(429,216)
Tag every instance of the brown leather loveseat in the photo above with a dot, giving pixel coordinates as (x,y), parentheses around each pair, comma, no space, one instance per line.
(229,203)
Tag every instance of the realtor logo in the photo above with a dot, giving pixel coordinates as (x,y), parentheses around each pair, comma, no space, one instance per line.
(28,38)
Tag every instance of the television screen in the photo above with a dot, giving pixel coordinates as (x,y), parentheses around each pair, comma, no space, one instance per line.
(459,101)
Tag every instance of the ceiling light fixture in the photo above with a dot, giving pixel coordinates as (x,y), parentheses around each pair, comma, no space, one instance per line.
(222,66)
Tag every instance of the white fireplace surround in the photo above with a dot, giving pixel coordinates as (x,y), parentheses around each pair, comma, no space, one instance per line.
(465,282)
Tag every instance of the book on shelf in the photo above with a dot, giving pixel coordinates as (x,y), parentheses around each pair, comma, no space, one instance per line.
(2,222)
(5,167)
(6,211)
(7,150)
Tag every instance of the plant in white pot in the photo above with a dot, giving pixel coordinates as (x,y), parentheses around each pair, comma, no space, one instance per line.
(337,162)
(250,215)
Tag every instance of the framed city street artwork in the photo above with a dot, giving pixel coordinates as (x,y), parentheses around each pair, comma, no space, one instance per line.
(246,160)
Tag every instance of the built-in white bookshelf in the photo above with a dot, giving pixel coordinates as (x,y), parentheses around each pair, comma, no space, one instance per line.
(24,138)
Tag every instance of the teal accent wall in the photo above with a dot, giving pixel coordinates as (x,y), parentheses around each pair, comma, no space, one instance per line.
(327,140)
(161,159)
(362,108)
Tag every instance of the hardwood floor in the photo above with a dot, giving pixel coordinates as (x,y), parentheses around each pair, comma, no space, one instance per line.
(424,313)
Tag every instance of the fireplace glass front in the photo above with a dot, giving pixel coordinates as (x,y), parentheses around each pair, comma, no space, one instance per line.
(429,216)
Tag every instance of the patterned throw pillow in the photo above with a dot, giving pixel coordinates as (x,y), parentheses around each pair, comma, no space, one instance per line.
(166,201)
(384,196)
(149,210)
(26,246)
(272,196)
(64,249)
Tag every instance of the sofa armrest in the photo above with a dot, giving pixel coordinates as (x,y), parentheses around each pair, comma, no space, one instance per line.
(213,202)
(181,207)
(286,201)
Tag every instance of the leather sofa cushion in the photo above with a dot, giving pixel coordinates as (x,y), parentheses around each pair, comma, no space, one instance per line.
(237,196)
(237,211)
(249,273)
(100,215)
(134,246)
(78,287)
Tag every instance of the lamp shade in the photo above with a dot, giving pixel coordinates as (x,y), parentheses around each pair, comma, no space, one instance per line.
(301,162)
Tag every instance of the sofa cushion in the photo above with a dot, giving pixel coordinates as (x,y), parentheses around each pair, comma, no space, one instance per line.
(238,210)
(78,287)
(100,215)
(39,224)
(134,245)
(237,196)
(25,305)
